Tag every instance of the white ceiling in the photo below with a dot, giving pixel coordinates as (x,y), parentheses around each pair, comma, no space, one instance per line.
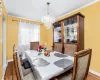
(35,9)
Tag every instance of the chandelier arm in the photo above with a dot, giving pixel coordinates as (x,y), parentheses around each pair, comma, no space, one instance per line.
(48,20)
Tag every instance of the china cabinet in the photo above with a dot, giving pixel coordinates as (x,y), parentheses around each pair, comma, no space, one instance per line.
(57,32)
(70,32)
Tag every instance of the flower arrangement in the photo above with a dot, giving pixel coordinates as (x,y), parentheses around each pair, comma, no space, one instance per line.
(41,48)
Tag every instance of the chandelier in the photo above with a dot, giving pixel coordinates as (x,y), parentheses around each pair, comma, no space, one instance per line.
(48,20)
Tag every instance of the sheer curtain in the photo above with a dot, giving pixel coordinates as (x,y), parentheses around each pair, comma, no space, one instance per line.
(28,32)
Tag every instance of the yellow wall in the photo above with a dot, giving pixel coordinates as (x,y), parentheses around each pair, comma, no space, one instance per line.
(12,36)
(12,33)
(92,32)
(49,38)
(3,11)
(43,34)
(46,36)
(0,47)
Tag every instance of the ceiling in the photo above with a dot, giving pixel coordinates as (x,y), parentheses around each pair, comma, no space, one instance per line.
(35,9)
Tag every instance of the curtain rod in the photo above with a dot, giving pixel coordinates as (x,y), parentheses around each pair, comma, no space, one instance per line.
(19,21)
(22,21)
(15,20)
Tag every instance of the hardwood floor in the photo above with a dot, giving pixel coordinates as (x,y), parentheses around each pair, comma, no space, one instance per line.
(11,75)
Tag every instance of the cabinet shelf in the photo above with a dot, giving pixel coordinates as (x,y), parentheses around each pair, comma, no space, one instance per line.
(71,31)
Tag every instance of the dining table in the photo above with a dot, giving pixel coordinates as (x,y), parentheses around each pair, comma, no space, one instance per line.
(51,70)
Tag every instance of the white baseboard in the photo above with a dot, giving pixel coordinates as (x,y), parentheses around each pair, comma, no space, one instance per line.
(10,60)
(2,78)
(94,72)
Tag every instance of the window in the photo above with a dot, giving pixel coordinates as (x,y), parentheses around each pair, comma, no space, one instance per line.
(28,33)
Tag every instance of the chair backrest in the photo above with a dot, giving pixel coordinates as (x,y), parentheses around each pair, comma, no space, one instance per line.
(81,64)
(14,48)
(21,49)
(58,47)
(17,65)
(70,49)
(34,45)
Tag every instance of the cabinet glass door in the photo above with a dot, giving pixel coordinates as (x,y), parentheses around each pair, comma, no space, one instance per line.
(70,30)
(57,32)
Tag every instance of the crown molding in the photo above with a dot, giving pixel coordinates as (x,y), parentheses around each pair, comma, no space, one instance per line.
(93,2)
(59,16)
(38,22)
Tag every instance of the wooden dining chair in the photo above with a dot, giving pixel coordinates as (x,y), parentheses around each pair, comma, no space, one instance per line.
(21,73)
(70,49)
(34,45)
(58,47)
(80,68)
